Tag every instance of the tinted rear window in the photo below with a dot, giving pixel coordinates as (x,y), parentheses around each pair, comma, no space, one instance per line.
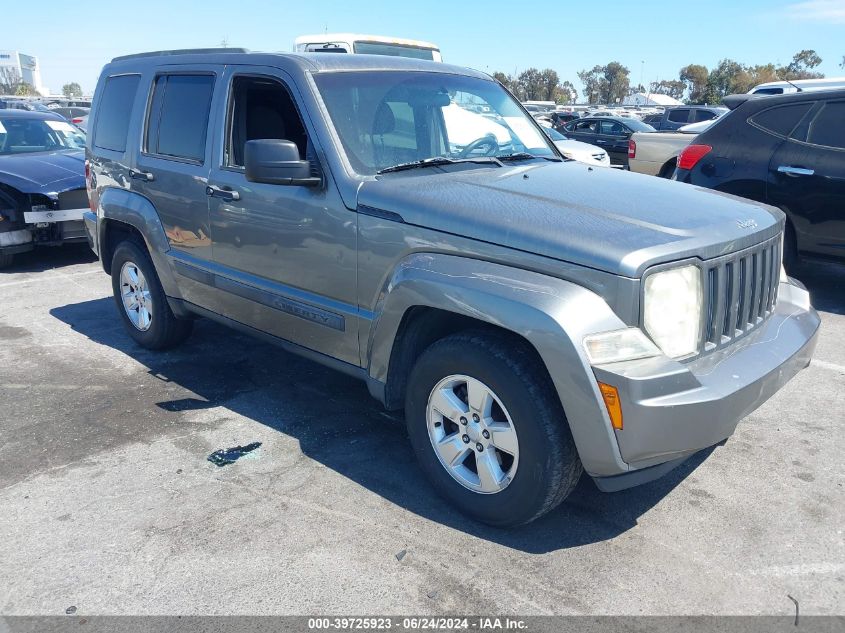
(781,120)
(178,119)
(679,116)
(114,111)
(703,115)
(827,128)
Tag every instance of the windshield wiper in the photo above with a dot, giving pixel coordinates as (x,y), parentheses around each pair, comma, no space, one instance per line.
(440,160)
(526,156)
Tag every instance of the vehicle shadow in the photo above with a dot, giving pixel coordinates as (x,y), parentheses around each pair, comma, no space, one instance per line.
(340,426)
(47,258)
(826,283)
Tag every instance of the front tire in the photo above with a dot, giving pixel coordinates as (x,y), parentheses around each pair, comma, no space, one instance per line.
(141,301)
(488,429)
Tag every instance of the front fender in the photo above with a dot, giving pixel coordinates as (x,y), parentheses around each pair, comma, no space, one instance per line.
(120,205)
(552,314)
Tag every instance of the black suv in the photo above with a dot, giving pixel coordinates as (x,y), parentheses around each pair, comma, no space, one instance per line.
(785,150)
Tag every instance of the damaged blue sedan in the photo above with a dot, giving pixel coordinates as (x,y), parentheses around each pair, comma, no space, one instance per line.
(42,182)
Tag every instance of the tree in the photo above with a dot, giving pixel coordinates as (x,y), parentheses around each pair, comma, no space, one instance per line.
(549,82)
(592,84)
(72,89)
(25,90)
(723,80)
(506,80)
(565,93)
(801,66)
(695,77)
(617,77)
(605,84)
(530,84)
(671,87)
(10,79)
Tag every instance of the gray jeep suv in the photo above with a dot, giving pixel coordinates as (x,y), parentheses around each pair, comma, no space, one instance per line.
(408,223)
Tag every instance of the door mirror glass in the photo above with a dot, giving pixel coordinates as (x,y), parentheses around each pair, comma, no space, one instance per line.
(276,162)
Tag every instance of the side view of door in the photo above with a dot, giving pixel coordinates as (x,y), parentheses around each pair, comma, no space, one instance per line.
(171,168)
(807,179)
(283,250)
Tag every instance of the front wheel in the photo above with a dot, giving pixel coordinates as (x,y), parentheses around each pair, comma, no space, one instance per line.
(141,300)
(488,429)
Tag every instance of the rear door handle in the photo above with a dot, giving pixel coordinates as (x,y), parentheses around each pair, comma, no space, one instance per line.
(225,194)
(141,175)
(795,171)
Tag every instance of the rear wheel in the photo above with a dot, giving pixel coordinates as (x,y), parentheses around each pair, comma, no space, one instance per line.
(141,301)
(488,430)
(668,169)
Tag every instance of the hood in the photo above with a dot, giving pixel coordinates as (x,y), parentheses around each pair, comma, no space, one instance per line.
(44,172)
(611,220)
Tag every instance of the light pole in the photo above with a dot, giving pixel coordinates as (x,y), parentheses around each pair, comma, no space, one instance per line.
(642,70)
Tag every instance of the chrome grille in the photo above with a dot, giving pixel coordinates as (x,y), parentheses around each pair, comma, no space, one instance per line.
(740,292)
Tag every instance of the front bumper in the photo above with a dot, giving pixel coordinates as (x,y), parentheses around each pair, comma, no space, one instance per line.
(89,218)
(671,409)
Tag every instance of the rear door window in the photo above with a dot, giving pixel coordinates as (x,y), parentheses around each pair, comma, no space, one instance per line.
(781,120)
(703,115)
(612,128)
(827,128)
(178,121)
(679,115)
(114,111)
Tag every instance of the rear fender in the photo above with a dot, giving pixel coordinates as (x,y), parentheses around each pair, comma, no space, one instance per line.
(120,205)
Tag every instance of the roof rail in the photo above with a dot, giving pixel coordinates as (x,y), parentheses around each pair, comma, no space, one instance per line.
(183,51)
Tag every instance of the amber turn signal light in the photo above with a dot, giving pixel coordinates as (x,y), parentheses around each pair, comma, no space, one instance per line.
(610,395)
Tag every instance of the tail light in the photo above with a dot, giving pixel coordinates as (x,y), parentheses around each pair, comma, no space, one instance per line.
(632,148)
(77,121)
(691,154)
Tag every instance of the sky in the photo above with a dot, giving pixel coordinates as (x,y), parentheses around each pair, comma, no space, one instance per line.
(654,39)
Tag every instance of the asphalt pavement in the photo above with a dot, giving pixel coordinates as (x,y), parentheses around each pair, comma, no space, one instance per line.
(109,504)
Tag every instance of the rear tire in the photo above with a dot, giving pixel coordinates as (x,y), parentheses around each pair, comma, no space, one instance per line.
(141,301)
(6,260)
(668,169)
(528,435)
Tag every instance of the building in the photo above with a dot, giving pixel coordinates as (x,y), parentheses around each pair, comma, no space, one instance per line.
(650,99)
(26,66)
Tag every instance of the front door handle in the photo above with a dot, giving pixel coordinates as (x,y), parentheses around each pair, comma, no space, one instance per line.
(141,175)
(795,171)
(225,194)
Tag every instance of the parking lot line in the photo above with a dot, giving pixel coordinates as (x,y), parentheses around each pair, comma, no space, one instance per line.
(57,277)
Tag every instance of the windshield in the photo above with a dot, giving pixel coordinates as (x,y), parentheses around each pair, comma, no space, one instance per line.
(22,136)
(385,119)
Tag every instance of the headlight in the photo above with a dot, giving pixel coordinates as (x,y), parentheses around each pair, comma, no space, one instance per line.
(619,345)
(673,310)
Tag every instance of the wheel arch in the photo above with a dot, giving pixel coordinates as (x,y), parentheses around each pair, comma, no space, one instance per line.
(127,215)
(430,296)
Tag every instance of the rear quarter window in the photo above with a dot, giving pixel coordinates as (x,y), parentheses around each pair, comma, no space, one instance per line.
(827,129)
(781,120)
(114,112)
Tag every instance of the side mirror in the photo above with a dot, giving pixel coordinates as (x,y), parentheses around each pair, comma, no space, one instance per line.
(276,162)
